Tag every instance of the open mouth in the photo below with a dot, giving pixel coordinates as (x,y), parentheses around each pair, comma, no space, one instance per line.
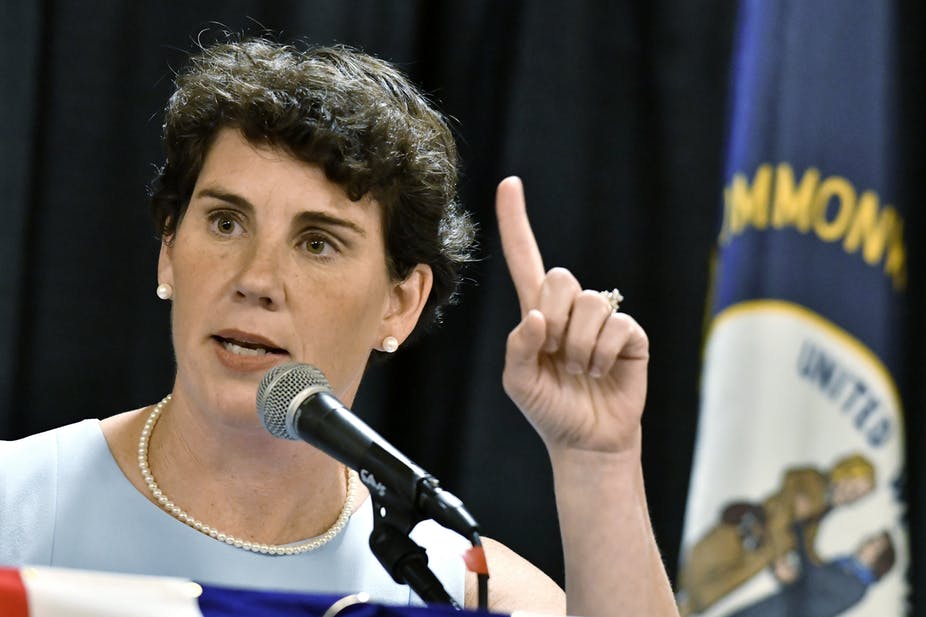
(247,348)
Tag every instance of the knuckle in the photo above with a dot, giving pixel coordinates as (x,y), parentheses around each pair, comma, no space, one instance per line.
(561,278)
(621,321)
(633,330)
(590,297)
(625,322)
(644,339)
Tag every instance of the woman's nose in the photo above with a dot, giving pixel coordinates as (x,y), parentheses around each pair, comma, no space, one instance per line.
(259,279)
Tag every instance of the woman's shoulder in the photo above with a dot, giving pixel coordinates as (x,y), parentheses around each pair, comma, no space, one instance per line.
(23,457)
(31,465)
(30,470)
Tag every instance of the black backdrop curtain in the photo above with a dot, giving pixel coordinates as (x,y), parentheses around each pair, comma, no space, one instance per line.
(612,112)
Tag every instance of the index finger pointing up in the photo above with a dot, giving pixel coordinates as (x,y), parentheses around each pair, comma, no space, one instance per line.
(518,244)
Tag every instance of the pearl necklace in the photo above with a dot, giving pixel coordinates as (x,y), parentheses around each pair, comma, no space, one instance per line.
(268,549)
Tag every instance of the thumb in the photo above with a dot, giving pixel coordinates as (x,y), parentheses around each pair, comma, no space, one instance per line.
(525,343)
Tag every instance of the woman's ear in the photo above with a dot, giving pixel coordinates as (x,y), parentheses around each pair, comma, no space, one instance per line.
(406,301)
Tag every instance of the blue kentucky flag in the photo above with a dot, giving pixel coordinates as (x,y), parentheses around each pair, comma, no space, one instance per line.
(795,506)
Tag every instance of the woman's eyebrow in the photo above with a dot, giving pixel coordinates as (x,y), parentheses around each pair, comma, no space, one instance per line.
(307,217)
(315,217)
(232,198)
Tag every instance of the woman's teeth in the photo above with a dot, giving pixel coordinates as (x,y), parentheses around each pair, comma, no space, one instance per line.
(243,351)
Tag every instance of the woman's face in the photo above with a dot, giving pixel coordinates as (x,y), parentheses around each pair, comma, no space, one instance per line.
(273,263)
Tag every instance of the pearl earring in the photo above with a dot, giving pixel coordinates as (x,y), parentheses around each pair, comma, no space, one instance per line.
(390,344)
(164,291)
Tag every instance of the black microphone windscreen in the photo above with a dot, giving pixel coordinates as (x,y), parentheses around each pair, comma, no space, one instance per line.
(279,387)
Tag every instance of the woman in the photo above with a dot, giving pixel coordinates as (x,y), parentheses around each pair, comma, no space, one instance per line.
(307,213)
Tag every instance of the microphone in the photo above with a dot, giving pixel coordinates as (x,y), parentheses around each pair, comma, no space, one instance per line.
(295,402)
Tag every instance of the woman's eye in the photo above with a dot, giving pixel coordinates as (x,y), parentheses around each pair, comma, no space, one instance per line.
(225,224)
(318,245)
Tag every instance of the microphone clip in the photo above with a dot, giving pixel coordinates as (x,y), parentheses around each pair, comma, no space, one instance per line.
(404,560)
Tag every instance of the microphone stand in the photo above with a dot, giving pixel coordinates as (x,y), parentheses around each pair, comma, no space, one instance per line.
(404,560)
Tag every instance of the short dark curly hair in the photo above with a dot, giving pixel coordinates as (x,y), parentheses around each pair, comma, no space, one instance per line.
(355,116)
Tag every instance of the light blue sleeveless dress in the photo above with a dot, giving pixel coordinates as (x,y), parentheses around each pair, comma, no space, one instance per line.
(64,502)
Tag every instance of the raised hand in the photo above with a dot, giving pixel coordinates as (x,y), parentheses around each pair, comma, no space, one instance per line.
(576,369)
